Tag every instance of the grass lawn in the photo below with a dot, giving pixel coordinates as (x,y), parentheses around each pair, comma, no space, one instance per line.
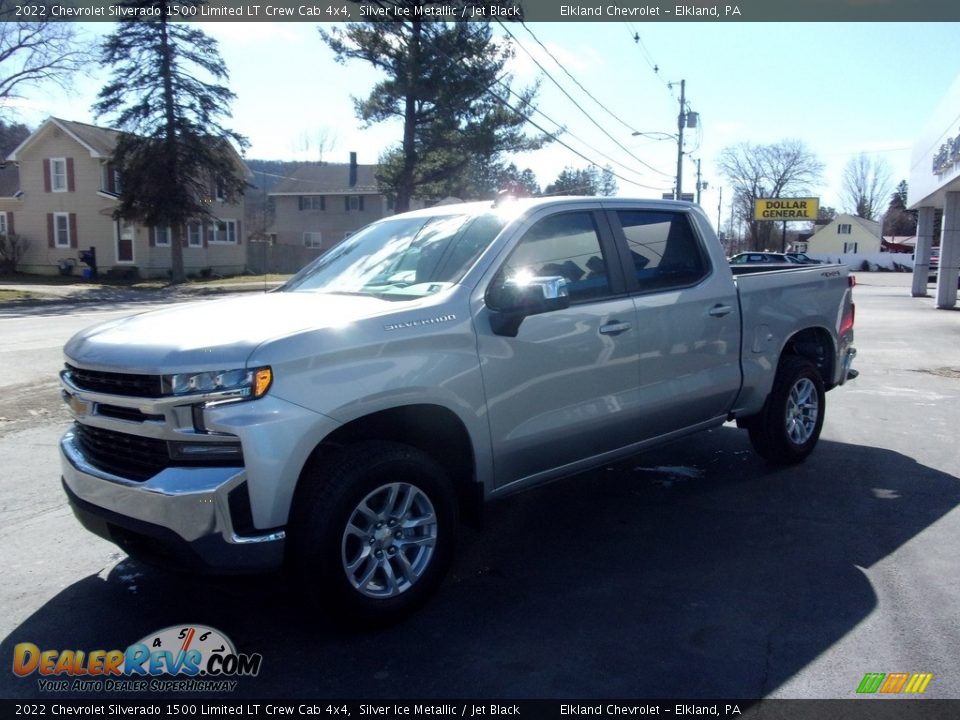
(11,295)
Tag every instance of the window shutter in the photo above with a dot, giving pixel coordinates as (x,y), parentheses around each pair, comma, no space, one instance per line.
(300,200)
(204,234)
(46,174)
(152,237)
(323,202)
(51,238)
(361,202)
(239,234)
(10,230)
(74,240)
(346,203)
(183,237)
(70,185)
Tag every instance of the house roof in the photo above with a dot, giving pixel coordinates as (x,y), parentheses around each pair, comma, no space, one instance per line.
(328,179)
(99,141)
(872,227)
(901,239)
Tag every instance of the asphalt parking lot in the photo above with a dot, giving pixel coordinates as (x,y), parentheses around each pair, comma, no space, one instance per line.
(694,571)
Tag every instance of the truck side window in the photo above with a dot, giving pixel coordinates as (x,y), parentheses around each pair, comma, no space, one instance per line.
(567,245)
(664,249)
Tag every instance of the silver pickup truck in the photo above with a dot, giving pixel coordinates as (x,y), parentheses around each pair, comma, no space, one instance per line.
(345,424)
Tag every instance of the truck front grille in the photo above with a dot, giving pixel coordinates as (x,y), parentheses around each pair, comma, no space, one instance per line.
(128,456)
(113,383)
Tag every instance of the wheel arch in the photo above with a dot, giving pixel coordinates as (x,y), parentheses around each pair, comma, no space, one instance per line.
(817,345)
(433,429)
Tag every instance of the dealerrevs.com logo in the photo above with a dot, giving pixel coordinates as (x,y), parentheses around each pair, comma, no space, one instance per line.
(180,658)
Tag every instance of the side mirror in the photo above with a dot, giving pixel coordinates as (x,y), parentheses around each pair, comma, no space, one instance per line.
(511,300)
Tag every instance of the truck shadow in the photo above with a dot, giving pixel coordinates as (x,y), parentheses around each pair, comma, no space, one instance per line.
(719,578)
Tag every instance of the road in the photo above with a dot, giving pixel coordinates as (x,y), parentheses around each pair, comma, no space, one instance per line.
(691,572)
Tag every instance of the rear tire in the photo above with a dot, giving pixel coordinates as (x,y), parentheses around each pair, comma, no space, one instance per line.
(372,532)
(787,429)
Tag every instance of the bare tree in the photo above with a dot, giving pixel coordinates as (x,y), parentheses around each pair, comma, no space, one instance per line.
(783,169)
(35,53)
(315,143)
(866,186)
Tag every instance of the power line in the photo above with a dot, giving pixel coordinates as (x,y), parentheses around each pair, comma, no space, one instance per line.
(577,105)
(553,137)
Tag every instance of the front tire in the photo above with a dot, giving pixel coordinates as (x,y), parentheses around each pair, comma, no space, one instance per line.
(373,532)
(787,429)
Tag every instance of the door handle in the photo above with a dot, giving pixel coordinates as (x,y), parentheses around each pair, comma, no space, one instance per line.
(614,328)
(720,310)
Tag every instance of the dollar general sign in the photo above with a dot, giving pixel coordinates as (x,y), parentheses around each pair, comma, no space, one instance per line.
(786,208)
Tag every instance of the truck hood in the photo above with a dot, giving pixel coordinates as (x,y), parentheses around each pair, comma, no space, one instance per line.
(213,335)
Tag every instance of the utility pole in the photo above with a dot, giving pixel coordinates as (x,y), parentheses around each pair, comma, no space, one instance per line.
(700,185)
(681,122)
(719,205)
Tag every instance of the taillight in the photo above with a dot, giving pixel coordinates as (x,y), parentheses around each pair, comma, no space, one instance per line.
(850,313)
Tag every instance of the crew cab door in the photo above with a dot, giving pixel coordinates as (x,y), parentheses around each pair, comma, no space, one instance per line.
(564,388)
(687,321)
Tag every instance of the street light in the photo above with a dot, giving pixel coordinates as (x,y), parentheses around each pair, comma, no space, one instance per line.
(684,119)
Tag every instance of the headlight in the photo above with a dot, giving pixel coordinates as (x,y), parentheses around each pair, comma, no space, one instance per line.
(249,384)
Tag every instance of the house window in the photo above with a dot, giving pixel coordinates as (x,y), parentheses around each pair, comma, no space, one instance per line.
(843,228)
(125,235)
(312,240)
(3,223)
(313,202)
(195,234)
(58,174)
(161,236)
(61,229)
(221,189)
(353,202)
(224,231)
(849,247)
(110,179)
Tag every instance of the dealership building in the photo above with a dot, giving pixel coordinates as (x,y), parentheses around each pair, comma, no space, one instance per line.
(935,184)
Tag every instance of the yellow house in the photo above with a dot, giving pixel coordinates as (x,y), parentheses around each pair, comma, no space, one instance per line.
(846,235)
(68,190)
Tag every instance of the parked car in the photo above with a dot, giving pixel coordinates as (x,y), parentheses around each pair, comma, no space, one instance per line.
(934,265)
(760,258)
(802,258)
(344,425)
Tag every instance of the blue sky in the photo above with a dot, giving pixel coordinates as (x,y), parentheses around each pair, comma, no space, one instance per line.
(842,88)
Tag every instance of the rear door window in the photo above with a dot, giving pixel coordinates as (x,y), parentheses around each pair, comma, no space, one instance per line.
(662,249)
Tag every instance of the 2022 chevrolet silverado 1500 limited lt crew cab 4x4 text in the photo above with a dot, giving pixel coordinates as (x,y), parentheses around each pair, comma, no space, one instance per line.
(432,361)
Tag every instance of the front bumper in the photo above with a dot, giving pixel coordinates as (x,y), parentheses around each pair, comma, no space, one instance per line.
(189,518)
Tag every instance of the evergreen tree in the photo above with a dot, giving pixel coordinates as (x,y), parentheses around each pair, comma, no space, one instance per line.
(11,135)
(608,182)
(898,220)
(446,82)
(173,153)
(572,181)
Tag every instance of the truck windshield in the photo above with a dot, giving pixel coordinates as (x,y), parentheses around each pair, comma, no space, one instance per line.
(401,258)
